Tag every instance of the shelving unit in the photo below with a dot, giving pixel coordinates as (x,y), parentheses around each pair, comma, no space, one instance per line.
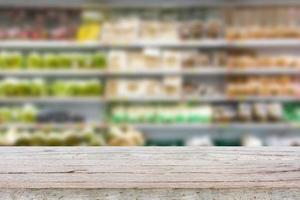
(101,104)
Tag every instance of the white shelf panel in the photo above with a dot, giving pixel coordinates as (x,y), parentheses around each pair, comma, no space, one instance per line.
(51,100)
(264,71)
(26,44)
(241,99)
(203,43)
(212,71)
(220,126)
(200,71)
(198,126)
(166,99)
(216,131)
(98,44)
(57,72)
(163,72)
(205,99)
(265,43)
(52,125)
(143,99)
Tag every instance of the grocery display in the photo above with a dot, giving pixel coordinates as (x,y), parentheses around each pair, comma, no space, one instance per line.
(195,75)
(277,22)
(62,60)
(32,114)
(123,88)
(203,114)
(247,140)
(12,87)
(292,112)
(27,113)
(87,136)
(90,26)
(162,26)
(162,114)
(165,60)
(39,24)
(59,116)
(250,60)
(263,86)
(249,112)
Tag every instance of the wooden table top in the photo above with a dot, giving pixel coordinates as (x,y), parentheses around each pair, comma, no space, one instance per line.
(149,167)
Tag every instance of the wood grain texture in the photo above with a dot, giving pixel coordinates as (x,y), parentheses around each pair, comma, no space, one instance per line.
(149,194)
(149,168)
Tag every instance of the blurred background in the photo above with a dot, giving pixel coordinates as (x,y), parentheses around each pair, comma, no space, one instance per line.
(150,72)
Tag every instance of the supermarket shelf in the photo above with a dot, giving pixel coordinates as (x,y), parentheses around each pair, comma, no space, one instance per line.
(210,99)
(165,126)
(210,71)
(204,43)
(57,72)
(113,3)
(265,43)
(199,71)
(262,98)
(102,73)
(263,71)
(143,3)
(242,98)
(231,131)
(220,126)
(79,100)
(166,99)
(51,125)
(143,99)
(15,44)
(47,3)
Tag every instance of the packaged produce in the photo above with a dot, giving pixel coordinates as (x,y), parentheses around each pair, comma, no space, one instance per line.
(35,61)
(161,114)
(195,59)
(260,112)
(86,136)
(244,112)
(213,28)
(124,136)
(38,24)
(172,86)
(171,60)
(76,88)
(252,141)
(61,60)
(90,27)
(224,114)
(128,27)
(191,30)
(275,111)
(199,141)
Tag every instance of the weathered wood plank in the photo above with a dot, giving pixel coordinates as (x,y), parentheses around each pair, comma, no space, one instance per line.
(149,194)
(149,167)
